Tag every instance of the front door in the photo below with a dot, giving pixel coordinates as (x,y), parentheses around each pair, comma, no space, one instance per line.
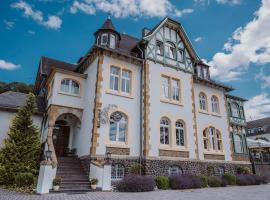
(62,140)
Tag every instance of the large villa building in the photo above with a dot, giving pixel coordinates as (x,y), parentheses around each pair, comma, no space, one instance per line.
(148,101)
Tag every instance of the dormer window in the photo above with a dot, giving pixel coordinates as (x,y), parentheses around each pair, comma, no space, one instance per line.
(203,71)
(112,41)
(104,39)
(170,51)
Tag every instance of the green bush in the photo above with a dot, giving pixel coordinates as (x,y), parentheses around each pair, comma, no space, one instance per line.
(24,179)
(214,181)
(162,182)
(230,178)
(204,181)
(243,170)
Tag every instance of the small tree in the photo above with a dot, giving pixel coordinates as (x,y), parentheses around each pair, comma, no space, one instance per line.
(22,148)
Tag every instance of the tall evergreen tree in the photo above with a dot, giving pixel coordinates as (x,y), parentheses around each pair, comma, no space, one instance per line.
(22,146)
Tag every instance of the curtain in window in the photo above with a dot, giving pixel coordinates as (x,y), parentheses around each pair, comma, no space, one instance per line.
(118,128)
(175,90)
(118,172)
(164,131)
(126,79)
(166,87)
(114,78)
(202,99)
(180,139)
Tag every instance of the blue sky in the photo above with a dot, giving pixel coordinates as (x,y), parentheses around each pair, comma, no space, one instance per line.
(233,36)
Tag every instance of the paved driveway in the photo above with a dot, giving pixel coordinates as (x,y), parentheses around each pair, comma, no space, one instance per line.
(261,192)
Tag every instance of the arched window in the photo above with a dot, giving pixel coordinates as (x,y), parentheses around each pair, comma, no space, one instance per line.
(175,170)
(203,101)
(238,144)
(170,50)
(212,139)
(179,133)
(70,86)
(235,110)
(215,104)
(118,127)
(118,172)
(164,130)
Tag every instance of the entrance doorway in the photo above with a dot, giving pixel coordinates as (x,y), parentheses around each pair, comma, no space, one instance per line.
(61,137)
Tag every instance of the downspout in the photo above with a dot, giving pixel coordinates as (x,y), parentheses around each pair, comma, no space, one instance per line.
(141,110)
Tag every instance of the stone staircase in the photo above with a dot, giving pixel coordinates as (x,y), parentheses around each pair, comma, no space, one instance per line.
(74,179)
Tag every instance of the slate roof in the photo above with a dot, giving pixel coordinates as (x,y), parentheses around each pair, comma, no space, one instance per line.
(47,64)
(259,123)
(13,100)
(108,25)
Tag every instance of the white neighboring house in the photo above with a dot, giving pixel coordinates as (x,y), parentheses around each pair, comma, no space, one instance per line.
(148,101)
(9,103)
(259,129)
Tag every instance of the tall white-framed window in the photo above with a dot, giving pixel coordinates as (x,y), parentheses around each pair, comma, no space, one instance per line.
(180,55)
(118,127)
(235,110)
(164,131)
(179,133)
(126,81)
(104,39)
(160,48)
(70,86)
(166,87)
(212,139)
(112,41)
(170,50)
(175,170)
(118,172)
(238,143)
(215,104)
(203,101)
(114,78)
(175,90)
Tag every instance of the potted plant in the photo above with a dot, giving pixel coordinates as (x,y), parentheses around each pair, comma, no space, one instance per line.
(93,183)
(56,183)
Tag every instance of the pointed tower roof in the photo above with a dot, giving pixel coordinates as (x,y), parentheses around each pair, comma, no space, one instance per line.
(107,26)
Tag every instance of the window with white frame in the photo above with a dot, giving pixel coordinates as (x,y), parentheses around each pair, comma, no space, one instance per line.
(104,39)
(118,127)
(112,41)
(120,80)
(212,139)
(170,51)
(114,78)
(215,104)
(175,90)
(203,101)
(235,110)
(160,48)
(70,86)
(118,172)
(179,131)
(180,55)
(238,143)
(126,81)
(166,87)
(164,131)
(175,170)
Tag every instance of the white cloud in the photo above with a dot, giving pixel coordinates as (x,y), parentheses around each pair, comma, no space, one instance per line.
(248,44)
(53,22)
(230,2)
(31,32)
(9,24)
(198,39)
(264,78)
(8,65)
(258,107)
(126,8)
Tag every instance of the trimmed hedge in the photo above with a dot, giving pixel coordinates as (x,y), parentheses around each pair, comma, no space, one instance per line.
(136,183)
(162,182)
(214,181)
(204,181)
(230,178)
(249,179)
(24,179)
(185,181)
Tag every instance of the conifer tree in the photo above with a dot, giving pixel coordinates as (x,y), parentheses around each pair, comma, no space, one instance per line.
(22,148)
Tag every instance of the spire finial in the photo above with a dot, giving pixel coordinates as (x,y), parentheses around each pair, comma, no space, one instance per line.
(109,16)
